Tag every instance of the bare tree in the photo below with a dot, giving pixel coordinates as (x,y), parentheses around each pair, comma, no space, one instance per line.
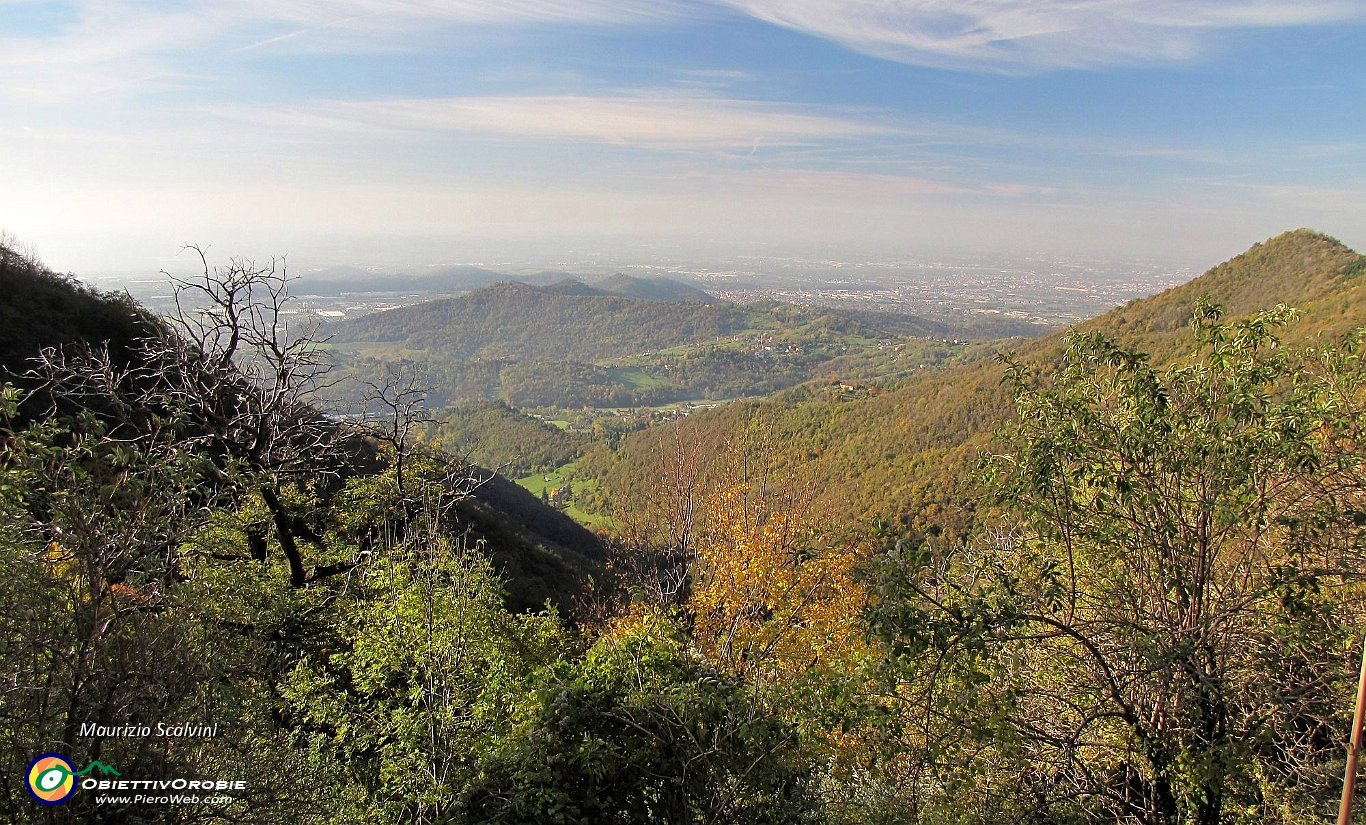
(225,378)
(394,411)
(13,250)
(661,523)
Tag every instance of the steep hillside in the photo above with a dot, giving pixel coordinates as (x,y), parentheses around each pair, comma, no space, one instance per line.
(908,453)
(40,308)
(542,553)
(1302,268)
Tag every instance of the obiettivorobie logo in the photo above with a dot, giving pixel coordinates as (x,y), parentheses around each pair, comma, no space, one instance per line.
(52,777)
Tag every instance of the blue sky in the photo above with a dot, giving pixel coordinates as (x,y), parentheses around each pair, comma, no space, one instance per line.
(413,133)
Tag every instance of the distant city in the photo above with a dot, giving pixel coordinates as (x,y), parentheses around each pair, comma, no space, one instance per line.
(1043,291)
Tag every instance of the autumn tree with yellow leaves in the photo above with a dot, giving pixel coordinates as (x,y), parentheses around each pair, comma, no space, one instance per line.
(772,600)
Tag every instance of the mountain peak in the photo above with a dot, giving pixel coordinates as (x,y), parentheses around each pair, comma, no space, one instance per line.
(1301,268)
(1295,267)
(653,289)
(1303,236)
(572,286)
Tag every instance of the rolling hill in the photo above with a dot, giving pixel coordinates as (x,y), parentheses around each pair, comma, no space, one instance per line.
(908,453)
(569,345)
(653,289)
(566,321)
(573,321)
(454,280)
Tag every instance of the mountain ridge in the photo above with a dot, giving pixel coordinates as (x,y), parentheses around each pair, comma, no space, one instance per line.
(573,321)
(906,453)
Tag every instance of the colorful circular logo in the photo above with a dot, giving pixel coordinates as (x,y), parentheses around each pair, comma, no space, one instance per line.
(51,779)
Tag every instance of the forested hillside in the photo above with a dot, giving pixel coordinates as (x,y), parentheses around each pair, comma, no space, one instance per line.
(908,453)
(573,321)
(514,320)
(568,345)
(495,435)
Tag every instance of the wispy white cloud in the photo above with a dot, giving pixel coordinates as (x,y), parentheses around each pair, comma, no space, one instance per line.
(140,45)
(1035,35)
(136,45)
(441,145)
(658,120)
(108,46)
(369,25)
(873,188)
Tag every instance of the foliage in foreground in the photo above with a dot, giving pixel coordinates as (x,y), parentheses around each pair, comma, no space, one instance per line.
(642,729)
(1164,629)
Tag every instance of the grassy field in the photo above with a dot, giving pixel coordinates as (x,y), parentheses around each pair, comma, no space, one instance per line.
(634,377)
(545,482)
(375,349)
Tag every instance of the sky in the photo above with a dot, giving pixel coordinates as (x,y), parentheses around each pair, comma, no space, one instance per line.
(413,133)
